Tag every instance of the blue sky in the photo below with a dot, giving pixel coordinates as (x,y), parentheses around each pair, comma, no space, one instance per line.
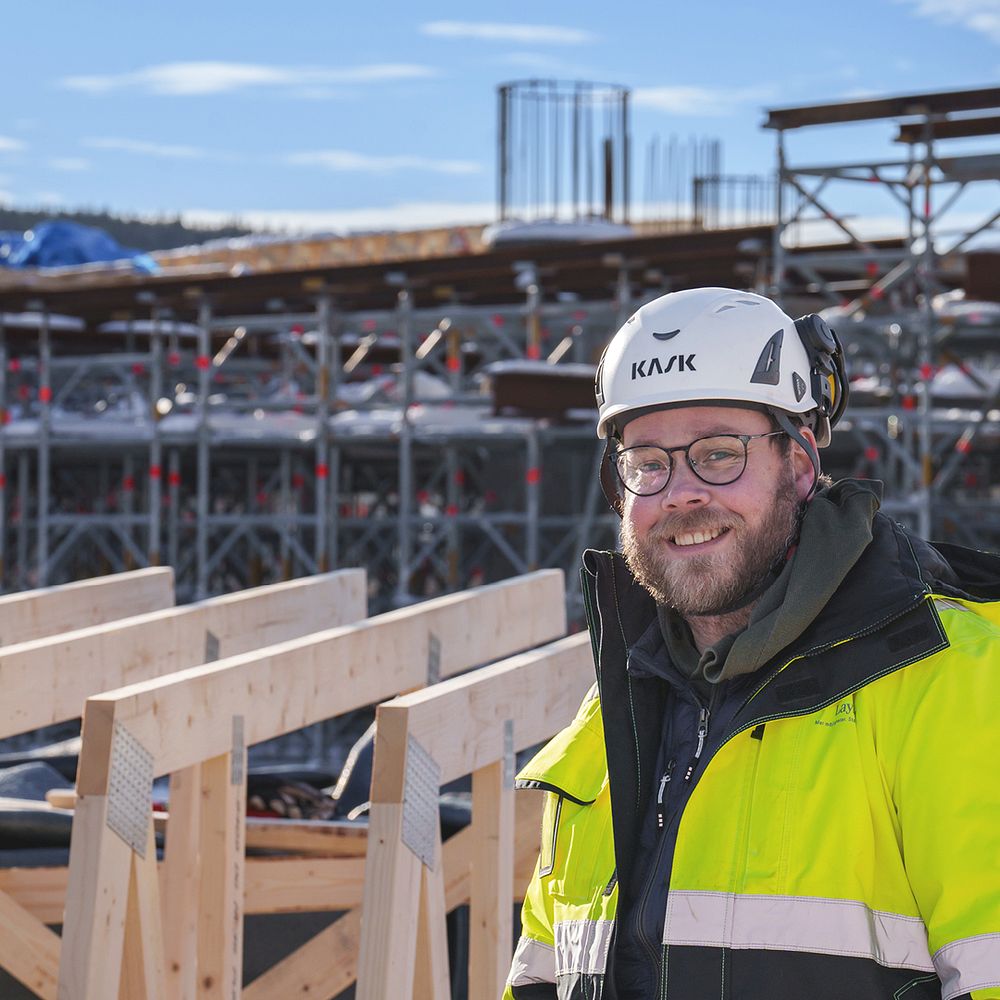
(337,116)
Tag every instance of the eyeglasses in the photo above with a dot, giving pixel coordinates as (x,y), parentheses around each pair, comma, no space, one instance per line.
(718,460)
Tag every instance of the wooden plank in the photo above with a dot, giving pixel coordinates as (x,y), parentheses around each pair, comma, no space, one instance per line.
(29,951)
(142,962)
(66,669)
(319,837)
(431,977)
(179,884)
(322,838)
(100,866)
(492,878)
(328,964)
(48,611)
(220,898)
(40,891)
(293,684)
(388,946)
(303,885)
(459,722)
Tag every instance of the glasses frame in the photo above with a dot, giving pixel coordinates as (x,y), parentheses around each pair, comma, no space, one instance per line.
(744,439)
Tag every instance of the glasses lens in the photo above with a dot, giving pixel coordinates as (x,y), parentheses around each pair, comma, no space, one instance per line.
(643,471)
(718,460)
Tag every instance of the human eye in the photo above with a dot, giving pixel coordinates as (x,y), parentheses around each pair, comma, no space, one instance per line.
(641,468)
(717,452)
(650,463)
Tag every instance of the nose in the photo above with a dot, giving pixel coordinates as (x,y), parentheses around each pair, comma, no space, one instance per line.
(685,489)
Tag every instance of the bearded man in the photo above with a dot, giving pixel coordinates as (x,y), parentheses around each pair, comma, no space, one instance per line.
(781,785)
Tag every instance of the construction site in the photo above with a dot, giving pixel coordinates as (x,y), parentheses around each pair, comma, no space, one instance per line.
(407,419)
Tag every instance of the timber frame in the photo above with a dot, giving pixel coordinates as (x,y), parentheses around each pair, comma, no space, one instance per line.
(131,932)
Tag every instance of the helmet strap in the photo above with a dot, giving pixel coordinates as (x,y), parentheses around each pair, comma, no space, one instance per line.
(793,431)
(608,483)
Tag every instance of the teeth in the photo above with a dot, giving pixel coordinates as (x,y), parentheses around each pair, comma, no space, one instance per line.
(697,537)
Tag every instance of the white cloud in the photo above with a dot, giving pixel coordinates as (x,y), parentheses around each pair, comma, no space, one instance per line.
(6,198)
(981,16)
(9,145)
(142,148)
(523,34)
(49,198)
(346,160)
(69,163)
(403,216)
(699,101)
(199,78)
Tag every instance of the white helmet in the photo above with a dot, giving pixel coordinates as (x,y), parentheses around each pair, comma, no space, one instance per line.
(708,344)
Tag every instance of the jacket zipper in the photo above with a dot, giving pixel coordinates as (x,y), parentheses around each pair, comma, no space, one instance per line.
(664,781)
(638,922)
(702,733)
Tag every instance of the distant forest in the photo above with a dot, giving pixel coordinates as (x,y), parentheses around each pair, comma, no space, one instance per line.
(137,234)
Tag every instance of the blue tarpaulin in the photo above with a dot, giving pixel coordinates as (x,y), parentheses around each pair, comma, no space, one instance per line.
(61,243)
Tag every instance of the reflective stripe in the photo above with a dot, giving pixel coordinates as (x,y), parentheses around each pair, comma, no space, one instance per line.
(582,946)
(968,964)
(795,923)
(534,962)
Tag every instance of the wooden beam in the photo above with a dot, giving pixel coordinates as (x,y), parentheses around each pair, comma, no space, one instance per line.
(335,839)
(303,885)
(338,838)
(34,614)
(431,977)
(389,947)
(492,877)
(460,721)
(179,876)
(142,962)
(293,684)
(69,668)
(468,723)
(100,866)
(220,899)
(29,951)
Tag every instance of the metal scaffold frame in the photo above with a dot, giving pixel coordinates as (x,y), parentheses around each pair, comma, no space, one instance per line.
(885,302)
(407,471)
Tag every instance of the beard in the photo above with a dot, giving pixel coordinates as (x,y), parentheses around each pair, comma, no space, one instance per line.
(719,582)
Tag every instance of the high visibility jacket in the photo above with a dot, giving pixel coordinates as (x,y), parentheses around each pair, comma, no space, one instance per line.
(841,838)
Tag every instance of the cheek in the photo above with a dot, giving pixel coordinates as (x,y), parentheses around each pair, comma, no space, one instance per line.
(641,513)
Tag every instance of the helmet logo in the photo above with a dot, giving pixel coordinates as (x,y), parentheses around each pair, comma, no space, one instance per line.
(666,336)
(798,386)
(768,370)
(653,366)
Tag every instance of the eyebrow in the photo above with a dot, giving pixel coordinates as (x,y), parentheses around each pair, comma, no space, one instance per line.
(713,431)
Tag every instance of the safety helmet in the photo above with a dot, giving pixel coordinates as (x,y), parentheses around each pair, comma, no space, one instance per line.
(707,345)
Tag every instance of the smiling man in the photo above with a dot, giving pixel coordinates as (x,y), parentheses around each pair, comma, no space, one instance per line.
(782,784)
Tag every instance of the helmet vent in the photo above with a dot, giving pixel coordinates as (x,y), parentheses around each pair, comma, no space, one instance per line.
(726,306)
(768,370)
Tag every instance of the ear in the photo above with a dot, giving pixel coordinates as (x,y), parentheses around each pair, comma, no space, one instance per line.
(802,466)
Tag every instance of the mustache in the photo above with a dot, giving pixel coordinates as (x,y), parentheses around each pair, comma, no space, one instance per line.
(704,521)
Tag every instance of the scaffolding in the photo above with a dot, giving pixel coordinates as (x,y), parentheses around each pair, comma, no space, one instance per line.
(252,428)
(926,410)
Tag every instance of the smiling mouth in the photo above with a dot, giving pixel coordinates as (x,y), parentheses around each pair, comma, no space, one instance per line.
(698,537)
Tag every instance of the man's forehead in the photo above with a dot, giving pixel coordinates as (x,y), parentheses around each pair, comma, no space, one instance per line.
(688,422)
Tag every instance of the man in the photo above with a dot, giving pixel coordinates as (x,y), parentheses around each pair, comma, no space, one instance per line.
(783,784)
